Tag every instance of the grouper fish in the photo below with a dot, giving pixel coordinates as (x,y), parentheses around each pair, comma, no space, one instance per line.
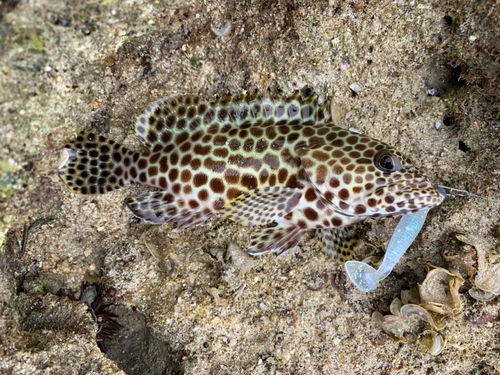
(275,161)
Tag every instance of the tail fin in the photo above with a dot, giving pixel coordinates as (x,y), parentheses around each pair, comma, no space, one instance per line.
(93,164)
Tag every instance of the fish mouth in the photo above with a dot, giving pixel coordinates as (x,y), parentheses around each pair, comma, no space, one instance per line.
(403,196)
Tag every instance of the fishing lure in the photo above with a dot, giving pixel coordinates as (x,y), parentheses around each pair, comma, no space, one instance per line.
(257,160)
(364,276)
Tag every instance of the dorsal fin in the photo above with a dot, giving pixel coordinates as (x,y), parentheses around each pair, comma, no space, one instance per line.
(181,113)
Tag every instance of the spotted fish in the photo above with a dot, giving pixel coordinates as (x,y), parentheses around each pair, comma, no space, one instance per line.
(258,160)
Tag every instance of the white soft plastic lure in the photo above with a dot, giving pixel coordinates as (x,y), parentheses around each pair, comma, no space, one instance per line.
(364,276)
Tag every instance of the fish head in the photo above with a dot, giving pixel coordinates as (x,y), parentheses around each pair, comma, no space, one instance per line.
(359,176)
(399,186)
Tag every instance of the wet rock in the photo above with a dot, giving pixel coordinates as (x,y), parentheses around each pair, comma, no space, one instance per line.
(137,349)
(51,282)
(488,267)
(240,259)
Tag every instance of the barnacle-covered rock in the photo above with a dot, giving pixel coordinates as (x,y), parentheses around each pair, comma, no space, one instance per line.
(409,311)
(433,301)
(439,292)
(395,326)
(404,318)
(433,341)
(487,280)
(481,295)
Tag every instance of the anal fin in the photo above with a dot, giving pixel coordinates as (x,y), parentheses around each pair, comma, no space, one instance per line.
(164,208)
(276,239)
(339,243)
(262,206)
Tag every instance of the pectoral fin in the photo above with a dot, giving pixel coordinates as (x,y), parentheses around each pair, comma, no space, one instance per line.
(262,206)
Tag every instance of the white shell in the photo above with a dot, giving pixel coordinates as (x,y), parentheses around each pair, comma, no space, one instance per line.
(223,30)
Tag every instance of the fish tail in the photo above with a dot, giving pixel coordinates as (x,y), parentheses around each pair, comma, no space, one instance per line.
(93,164)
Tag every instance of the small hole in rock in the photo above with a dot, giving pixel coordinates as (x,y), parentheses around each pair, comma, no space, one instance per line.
(455,79)
(463,147)
(306,92)
(448,20)
(447,120)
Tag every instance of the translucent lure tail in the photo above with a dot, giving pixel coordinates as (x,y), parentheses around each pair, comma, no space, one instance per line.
(95,165)
(365,277)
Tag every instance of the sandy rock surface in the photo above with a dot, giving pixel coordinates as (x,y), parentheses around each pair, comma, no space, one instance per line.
(422,76)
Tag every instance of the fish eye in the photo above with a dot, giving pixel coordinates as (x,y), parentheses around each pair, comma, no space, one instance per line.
(387,162)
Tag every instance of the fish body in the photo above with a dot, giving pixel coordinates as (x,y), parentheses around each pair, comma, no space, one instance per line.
(256,160)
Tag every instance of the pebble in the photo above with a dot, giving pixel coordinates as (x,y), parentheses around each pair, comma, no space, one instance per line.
(240,258)
(355,87)
(65,267)
(54,19)
(65,22)
(52,283)
(496,232)
(438,125)
(109,61)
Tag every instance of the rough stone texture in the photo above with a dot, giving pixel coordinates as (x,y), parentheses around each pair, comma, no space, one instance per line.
(93,65)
